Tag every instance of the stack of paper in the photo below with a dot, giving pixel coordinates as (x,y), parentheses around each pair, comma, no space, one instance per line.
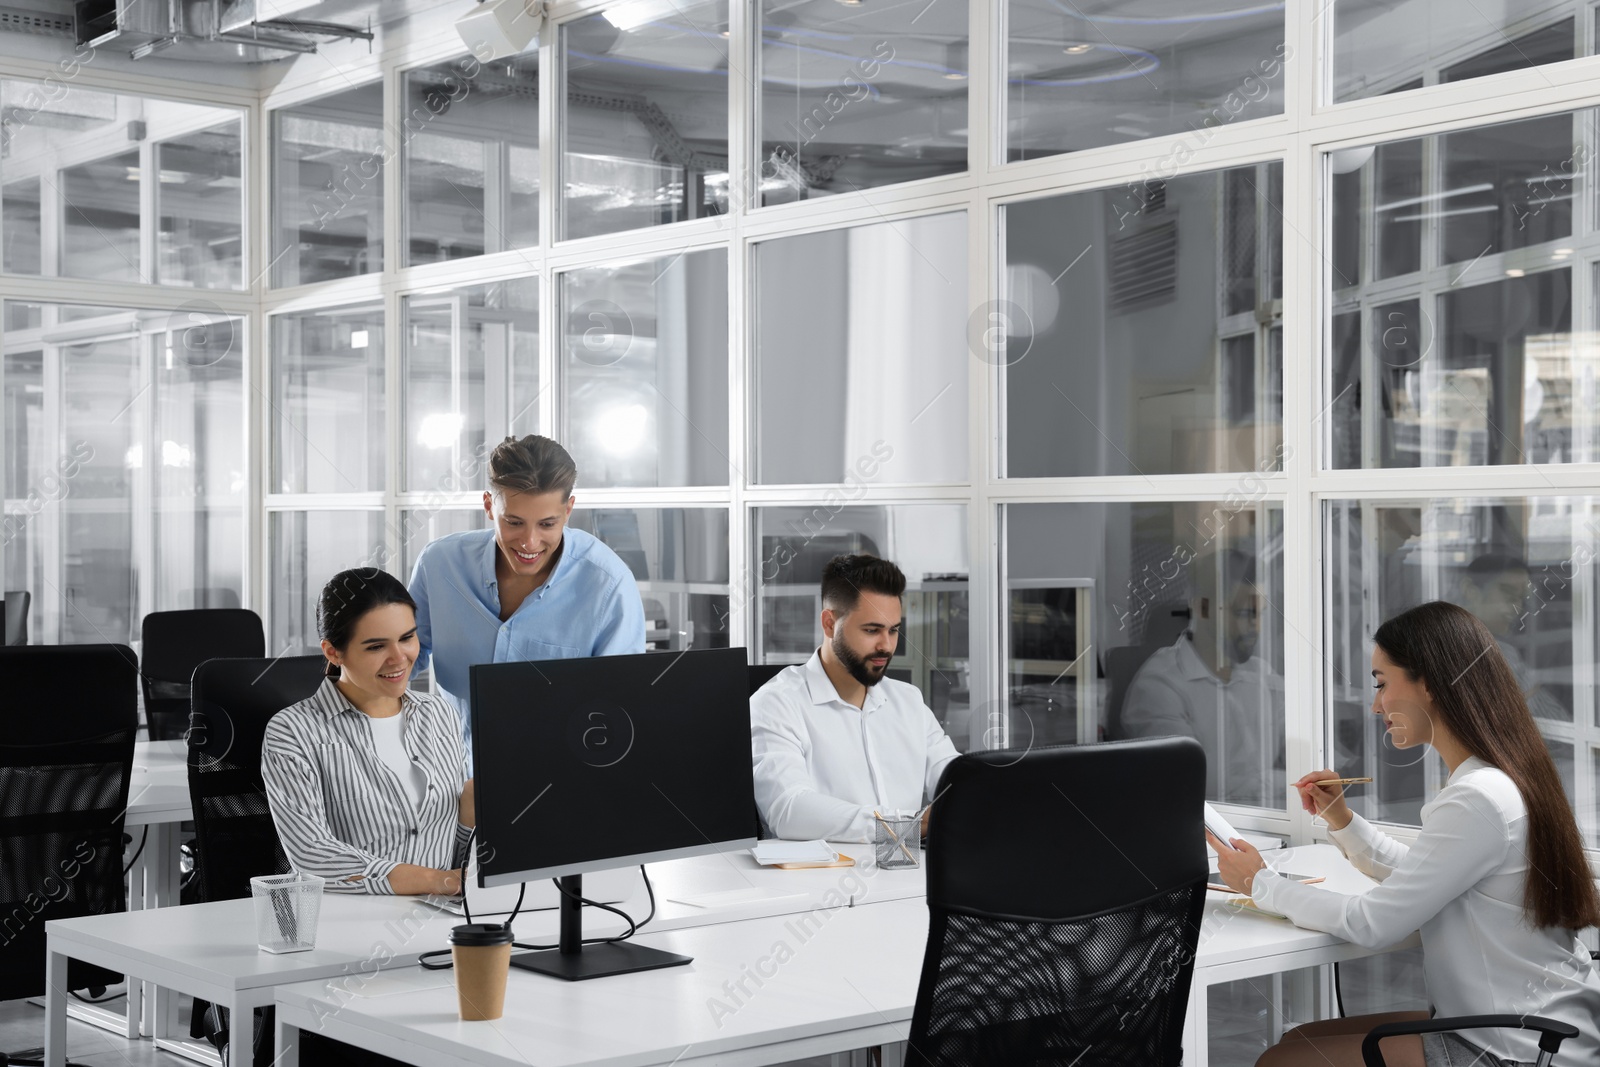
(770,853)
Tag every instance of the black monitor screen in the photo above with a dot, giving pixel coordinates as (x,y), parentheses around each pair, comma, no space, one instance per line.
(587,764)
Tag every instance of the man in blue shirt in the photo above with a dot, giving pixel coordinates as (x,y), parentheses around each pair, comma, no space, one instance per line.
(527,589)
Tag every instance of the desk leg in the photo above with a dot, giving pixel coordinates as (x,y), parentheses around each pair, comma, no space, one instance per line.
(241,1032)
(1195,1030)
(55,1010)
(287,1046)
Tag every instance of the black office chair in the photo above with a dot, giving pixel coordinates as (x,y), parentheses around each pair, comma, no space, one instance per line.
(65,763)
(762,673)
(1163,627)
(1078,942)
(230,703)
(1551,1033)
(17,603)
(175,643)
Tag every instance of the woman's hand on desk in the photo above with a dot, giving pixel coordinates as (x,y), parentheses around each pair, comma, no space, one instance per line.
(1237,863)
(1325,801)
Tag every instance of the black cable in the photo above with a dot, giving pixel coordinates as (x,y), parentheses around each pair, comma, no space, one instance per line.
(139,852)
(1338,993)
(633,927)
(90,1000)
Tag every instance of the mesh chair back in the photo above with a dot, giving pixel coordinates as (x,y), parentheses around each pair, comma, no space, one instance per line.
(65,764)
(1065,890)
(231,703)
(175,643)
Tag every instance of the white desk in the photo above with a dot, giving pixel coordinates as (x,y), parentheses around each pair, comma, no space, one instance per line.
(852,984)
(209,950)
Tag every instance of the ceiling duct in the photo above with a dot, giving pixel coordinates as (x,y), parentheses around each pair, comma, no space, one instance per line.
(207,30)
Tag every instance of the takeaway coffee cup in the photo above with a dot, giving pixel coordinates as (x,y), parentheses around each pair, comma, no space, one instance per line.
(481,953)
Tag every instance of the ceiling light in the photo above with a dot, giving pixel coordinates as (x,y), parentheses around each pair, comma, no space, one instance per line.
(850,3)
(500,28)
(358,338)
(1515,272)
(1077,49)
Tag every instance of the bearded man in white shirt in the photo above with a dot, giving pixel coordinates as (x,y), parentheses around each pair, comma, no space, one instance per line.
(833,739)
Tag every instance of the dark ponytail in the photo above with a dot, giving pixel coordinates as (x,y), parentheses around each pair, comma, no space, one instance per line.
(347,597)
(1477,696)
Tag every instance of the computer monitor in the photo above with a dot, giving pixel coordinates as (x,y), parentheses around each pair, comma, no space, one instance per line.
(590,764)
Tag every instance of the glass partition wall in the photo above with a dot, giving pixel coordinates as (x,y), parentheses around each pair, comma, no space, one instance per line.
(1154,343)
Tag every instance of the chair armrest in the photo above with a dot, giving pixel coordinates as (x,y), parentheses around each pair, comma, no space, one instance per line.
(1551,1032)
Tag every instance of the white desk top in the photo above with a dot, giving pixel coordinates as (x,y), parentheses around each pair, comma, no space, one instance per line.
(860,969)
(158,792)
(215,944)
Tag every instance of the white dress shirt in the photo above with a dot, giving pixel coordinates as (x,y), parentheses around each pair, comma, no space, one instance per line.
(1461,884)
(822,766)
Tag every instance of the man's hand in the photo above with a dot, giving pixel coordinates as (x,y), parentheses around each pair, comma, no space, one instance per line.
(1237,863)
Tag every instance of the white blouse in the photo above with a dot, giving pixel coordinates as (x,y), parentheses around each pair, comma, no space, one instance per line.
(1461,884)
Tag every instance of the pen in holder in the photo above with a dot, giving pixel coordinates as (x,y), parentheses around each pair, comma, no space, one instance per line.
(287,906)
(897,840)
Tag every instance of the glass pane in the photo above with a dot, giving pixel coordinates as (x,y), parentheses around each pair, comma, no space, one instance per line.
(1385,46)
(1176,606)
(327,187)
(1082,75)
(23,226)
(645,116)
(929,543)
(419,526)
(463,347)
(679,557)
(100,219)
(645,371)
(327,400)
(870,368)
(99,594)
(856,97)
(1520,565)
(198,485)
(201,203)
(83,219)
(306,548)
(1113,349)
(471,150)
(1470,359)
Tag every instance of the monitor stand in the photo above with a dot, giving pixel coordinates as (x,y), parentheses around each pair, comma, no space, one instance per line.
(576,961)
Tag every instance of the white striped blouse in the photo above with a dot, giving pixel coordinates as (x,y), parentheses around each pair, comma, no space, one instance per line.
(341,813)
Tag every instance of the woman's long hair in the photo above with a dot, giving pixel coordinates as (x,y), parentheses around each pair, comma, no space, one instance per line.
(1475,693)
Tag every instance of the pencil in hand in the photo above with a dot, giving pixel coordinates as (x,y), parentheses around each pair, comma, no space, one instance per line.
(1338,781)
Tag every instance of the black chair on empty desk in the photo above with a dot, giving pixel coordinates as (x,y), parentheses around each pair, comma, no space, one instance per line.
(230,703)
(175,643)
(1065,892)
(66,758)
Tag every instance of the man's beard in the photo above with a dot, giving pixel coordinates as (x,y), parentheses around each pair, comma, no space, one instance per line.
(858,667)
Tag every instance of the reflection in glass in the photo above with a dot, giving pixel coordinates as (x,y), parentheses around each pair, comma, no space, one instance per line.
(306,548)
(1385,46)
(23,225)
(869,370)
(1519,565)
(855,97)
(644,356)
(100,219)
(679,557)
(928,542)
(327,187)
(468,353)
(1083,75)
(1177,606)
(327,400)
(420,526)
(644,124)
(1118,358)
(200,201)
(471,150)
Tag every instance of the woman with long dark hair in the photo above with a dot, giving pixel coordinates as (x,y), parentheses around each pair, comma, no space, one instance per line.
(1496,881)
(367,781)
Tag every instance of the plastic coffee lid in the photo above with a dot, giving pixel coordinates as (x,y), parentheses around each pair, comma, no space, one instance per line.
(480,935)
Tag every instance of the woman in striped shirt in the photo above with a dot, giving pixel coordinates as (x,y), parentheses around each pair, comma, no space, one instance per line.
(368,782)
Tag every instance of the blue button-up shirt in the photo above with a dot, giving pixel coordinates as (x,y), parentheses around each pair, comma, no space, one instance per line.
(589,606)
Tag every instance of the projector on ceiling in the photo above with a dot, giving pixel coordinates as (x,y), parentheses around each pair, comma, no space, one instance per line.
(500,28)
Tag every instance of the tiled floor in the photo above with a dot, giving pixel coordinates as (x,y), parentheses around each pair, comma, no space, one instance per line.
(22,1028)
